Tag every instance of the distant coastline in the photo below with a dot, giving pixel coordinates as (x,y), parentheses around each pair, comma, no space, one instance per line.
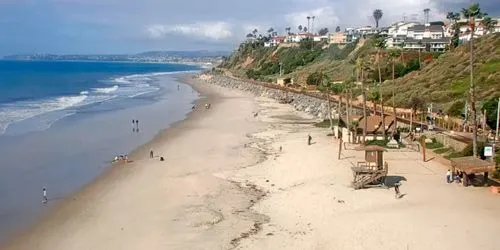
(203,65)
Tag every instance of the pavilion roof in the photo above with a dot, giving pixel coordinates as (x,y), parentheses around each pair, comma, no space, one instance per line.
(472,165)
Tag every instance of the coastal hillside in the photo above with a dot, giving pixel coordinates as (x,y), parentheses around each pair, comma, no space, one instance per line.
(445,80)
(297,62)
(442,80)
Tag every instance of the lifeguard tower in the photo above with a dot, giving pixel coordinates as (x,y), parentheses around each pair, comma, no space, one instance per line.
(372,171)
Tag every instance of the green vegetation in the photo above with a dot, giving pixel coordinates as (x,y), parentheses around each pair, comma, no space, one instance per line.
(433,145)
(445,81)
(325,123)
(382,143)
(442,150)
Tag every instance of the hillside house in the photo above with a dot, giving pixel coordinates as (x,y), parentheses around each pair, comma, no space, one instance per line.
(297,38)
(337,38)
(275,41)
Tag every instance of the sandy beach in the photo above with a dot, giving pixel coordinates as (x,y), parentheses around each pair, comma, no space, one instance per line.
(225,184)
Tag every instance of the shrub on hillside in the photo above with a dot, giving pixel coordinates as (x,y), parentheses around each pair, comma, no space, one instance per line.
(314,78)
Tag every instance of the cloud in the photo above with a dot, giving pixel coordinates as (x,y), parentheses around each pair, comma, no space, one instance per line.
(210,30)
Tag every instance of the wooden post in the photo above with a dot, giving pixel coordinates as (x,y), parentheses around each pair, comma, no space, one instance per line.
(340,147)
(423,149)
(485,180)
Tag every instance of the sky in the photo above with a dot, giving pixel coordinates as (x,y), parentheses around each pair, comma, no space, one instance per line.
(132,26)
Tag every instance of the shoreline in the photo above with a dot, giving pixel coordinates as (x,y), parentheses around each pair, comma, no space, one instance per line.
(115,169)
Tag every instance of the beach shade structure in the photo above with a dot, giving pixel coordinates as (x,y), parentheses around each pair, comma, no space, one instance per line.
(471,165)
(372,171)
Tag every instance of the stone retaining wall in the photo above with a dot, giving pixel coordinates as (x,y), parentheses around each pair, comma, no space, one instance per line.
(311,105)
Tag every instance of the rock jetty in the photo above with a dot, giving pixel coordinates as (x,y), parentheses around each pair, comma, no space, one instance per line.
(308,104)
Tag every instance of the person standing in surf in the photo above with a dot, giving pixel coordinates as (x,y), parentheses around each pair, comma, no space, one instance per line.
(44,194)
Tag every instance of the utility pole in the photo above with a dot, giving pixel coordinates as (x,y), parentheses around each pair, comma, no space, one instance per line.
(498,120)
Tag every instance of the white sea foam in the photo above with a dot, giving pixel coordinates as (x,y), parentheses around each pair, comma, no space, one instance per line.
(19,111)
(122,87)
(106,90)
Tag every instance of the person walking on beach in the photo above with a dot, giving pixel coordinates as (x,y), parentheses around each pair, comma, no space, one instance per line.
(151,154)
(396,190)
(44,194)
(309,139)
(448,176)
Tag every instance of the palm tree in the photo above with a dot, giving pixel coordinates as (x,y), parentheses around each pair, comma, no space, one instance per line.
(270,31)
(394,54)
(300,28)
(308,21)
(489,24)
(337,29)
(380,45)
(312,27)
(254,32)
(419,43)
(326,86)
(426,14)
(305,29)
(288,30)
(377,15)
(360,76)
(473,12)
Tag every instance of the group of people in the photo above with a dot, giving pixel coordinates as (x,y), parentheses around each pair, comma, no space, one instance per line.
(121,158)
(456,177)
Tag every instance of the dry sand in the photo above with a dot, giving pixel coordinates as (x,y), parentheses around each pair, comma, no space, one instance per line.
(226,185)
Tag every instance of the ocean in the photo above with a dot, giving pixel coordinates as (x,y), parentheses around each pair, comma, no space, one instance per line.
(61,123)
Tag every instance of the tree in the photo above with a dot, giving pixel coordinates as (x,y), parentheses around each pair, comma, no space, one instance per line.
(380,45)
(415,104)
(453,18)
(323,31)
(337,29)
(305,29)
(471,13)
(360,77)
(489,24)
(300,27)
(377,15)
(254,32)
(249,35)
(325,87)
(288,30)
(393,55)
(426,14)
(308,22)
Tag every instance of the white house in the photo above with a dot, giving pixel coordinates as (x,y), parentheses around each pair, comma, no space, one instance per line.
(297,38)
(400,28)
(367,30)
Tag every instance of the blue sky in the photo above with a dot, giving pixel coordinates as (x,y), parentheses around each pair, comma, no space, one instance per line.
(130,26)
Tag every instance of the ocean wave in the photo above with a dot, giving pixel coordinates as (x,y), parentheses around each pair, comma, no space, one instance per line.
(84,93)
(106,90)
(20,111)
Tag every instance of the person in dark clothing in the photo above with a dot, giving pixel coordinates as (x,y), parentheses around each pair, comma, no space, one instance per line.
(396,190)
(151,154)
(309,139)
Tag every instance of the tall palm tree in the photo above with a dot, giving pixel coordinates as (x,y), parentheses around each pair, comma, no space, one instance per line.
(471,13)
(360,76)
(380,45)
(426,14)
(325,86)
(377,15)
(394,54)
(308,22)
(312,27)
